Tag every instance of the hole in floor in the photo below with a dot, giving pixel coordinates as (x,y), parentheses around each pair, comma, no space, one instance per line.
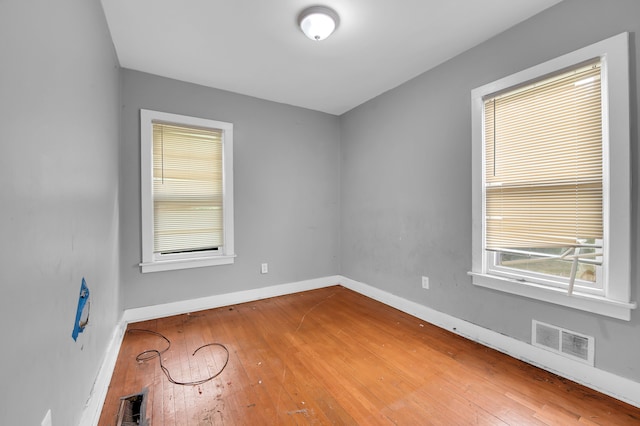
(132,408)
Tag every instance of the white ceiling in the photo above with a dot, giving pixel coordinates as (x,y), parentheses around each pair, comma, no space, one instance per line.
(254,47)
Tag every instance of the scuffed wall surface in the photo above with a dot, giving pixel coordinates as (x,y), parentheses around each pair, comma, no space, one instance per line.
(59,118)
(406,182)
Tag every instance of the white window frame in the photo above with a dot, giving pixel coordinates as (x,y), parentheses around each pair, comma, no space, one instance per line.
(154,262)
(614,300)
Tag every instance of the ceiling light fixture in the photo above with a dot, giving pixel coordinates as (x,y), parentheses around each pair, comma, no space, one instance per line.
(318,22)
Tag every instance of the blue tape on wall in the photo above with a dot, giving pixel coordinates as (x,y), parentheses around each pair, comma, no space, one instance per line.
(82,314)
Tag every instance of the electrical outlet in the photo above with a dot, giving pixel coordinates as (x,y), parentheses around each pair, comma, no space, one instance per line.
(47,419)
(425,282)
(264,268)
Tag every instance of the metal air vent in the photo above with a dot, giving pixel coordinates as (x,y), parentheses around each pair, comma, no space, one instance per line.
(132,408)
(564,342)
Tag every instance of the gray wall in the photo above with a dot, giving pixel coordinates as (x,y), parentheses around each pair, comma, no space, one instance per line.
(406,178)
(381,194)
(286,178)
(59,117)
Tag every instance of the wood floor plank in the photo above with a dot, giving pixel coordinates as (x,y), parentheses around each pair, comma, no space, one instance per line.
(281,359)
(251,396)
(332,356)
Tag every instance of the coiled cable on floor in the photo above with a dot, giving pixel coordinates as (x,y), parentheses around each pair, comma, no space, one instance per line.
(154,353)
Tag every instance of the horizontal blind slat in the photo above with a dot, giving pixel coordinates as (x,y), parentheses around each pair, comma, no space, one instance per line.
(543,162)
(187,188)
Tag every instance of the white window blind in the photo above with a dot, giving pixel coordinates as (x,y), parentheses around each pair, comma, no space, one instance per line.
(187,188)
(551,214)
(543,163)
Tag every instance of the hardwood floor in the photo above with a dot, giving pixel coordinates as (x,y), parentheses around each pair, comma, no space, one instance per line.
(332,356)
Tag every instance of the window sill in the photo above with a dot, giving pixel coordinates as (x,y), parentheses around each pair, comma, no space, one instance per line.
(170,265)
(596,304)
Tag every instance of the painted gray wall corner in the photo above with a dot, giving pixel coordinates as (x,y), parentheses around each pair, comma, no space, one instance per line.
(286,179)
(406,182)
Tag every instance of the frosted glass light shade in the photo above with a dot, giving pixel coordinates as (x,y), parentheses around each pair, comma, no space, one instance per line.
(318,22)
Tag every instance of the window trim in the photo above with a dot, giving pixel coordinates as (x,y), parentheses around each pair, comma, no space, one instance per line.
(152,262)
(614,52)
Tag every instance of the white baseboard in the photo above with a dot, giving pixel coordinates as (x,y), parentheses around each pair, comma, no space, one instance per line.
(610,384)
(93,406)
(602,381)
(210,302)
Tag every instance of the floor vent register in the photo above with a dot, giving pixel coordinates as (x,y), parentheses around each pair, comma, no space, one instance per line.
(132,409)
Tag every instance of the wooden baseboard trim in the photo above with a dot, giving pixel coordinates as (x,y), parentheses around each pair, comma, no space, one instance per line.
(216,301)
(93,406)
(602,381)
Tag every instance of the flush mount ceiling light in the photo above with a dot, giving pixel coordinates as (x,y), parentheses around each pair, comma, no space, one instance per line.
(318,22)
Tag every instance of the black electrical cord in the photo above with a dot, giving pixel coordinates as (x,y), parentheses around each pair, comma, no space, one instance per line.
(154,353)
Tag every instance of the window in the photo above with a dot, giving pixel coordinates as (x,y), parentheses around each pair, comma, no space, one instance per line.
(551,181)
(187,192)
(543,180)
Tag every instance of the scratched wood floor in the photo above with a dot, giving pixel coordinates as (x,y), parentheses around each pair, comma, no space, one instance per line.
(332,356)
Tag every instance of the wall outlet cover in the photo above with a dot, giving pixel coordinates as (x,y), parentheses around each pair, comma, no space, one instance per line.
(425,282)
